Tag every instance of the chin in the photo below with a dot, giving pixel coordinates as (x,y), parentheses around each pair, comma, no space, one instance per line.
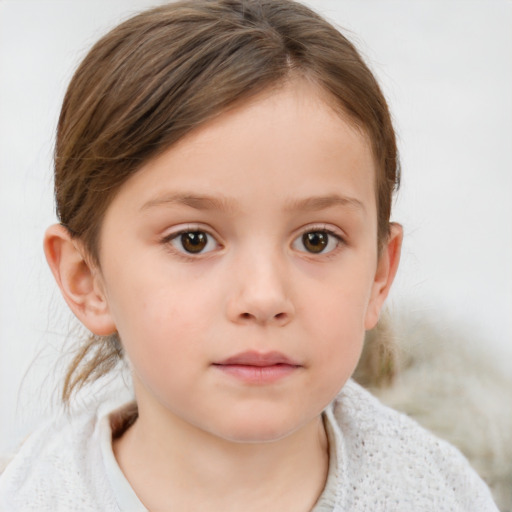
(256,430)
(255,436)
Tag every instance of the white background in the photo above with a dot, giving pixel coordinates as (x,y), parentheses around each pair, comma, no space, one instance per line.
(446,68)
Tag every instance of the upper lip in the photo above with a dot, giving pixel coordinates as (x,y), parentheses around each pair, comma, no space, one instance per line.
(254,358)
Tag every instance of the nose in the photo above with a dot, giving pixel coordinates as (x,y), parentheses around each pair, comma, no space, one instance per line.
(260,293)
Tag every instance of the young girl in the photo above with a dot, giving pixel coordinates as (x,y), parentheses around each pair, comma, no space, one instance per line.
(224,171)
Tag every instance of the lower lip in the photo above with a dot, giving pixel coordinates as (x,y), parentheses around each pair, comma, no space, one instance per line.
(258,374)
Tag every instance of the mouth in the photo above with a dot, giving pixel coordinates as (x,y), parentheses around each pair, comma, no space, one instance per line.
(258,368)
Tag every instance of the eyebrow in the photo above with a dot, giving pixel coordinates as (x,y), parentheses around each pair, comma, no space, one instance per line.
(194,201)
(317,203)
(308,204)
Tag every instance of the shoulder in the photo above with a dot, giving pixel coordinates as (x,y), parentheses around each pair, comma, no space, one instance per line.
(57,468)
(404,466)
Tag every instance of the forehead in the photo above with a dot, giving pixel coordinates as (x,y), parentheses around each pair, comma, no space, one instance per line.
(298,98)
(287,142)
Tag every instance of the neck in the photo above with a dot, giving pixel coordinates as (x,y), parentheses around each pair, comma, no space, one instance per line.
(174,465)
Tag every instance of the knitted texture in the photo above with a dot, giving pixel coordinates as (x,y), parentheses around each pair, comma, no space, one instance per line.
(383,462)
(387,462)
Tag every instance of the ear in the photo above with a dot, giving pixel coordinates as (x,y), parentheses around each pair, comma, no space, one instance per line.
(384,275)
(79,281)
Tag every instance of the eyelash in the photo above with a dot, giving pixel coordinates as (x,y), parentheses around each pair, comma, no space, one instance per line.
(331,234)
(170,240)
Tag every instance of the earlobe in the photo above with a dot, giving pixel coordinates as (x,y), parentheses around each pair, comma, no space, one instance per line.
(385,274)
(79,282)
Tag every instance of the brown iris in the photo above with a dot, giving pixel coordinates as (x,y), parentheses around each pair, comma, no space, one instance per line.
(194,241)
(315,241)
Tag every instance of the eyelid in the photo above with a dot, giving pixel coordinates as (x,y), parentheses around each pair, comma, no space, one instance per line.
(322,226)
(330,229)
(177,231)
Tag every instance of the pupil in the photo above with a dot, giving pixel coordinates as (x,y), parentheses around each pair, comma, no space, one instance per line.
(194,241)
(315,241)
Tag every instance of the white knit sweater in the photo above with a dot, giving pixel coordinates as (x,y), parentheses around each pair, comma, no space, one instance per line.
(380,461)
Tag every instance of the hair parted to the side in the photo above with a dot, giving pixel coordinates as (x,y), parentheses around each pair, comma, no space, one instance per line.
(161,74)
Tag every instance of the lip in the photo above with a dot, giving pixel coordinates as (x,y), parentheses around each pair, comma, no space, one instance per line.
(254,358)
(258,367)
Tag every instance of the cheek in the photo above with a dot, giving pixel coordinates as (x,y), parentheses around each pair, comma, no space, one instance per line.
(339,302)
(151,296)
(336,325)
(336,357)
(162,327)
(161,342)
(339,337)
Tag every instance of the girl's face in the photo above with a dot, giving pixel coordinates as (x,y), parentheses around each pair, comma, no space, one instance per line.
(240,267)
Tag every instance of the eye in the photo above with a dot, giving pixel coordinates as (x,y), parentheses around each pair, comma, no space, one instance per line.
(193,242)
(316,242)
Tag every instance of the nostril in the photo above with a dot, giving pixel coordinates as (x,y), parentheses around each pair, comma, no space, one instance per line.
(249,316)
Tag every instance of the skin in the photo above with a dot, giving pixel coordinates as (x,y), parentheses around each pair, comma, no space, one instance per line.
(271,170)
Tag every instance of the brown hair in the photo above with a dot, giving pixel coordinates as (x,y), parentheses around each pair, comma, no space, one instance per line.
(164,72)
